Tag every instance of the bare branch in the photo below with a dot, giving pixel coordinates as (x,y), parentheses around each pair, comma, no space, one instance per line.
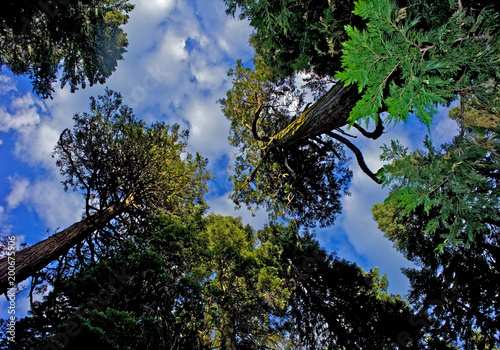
(357,153)
(375,134)
(254,123)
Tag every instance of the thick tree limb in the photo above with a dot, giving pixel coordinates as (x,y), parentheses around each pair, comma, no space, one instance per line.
(357,153)
(30,260)
(329,112)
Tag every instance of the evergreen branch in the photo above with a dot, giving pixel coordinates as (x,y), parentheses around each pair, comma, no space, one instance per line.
(386,78)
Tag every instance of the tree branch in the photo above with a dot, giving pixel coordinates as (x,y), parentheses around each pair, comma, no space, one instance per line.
(333,150)
(254,123)
(357,153)
(375,134)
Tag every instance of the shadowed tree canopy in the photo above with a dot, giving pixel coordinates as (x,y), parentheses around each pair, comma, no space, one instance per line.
(82,39)
(334,304)
(194,282)
(126,171)
(399,57)
(304,180)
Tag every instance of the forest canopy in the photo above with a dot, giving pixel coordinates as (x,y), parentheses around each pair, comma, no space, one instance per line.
(148,266)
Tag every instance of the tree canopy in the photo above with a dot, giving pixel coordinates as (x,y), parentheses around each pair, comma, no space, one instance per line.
(193,282)
(126,172)
(399,57)
(442,213)
(84,39)
(146,267)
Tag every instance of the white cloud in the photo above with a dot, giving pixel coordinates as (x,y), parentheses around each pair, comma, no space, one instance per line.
(47,198)
(7,84)
(57,208)
(208,128)
(19,191)
(443,128)
(25,114)
(36,144)
(224,206)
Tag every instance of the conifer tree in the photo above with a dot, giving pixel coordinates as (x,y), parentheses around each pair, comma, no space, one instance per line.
(399,57)
(81,40)
(126,172)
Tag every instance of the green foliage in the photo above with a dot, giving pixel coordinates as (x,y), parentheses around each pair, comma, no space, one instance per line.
(334,304)
(84,39)
(442,214)
(304,181)
(203,283)
(458,181)
(454,293)
(402,68)
(110,156)
(241,286)
(293,36)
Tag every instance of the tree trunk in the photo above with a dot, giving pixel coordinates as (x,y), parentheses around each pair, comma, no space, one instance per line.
(328,113)
(30,260)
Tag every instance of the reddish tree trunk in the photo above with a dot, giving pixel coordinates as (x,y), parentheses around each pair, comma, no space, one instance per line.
(32,259)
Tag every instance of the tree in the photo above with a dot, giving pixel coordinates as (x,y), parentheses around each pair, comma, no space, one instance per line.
(442,214)
(399,58)
(333,303)
(143,297)
(126,171)
(185,283)
(305,180)
(242,289)
(83,38)
(194,282)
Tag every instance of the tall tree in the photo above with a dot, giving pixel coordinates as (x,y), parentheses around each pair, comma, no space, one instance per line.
(333,303)
(397,57)
(193,282)
(242,287)
(306,180)
(185,283)
(442,213)
(126,172)
(144,297)
(83,38)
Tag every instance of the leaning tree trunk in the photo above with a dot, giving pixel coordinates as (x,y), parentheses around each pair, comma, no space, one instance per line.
(328,113)
(30,260)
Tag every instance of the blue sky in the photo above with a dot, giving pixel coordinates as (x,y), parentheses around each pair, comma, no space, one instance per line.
(174,71)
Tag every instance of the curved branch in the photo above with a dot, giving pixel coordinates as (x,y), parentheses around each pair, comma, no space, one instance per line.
(254,124)
(328,146)
(375,134)
(357,153)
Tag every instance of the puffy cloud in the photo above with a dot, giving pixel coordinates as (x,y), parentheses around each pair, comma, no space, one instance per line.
(47,198)
(24,114)
(224,206)
(208,128)
(19,191)
(6,84)
(57,208)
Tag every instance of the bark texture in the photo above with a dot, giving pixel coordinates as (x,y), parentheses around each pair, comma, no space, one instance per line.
(32,259)
(328,113)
